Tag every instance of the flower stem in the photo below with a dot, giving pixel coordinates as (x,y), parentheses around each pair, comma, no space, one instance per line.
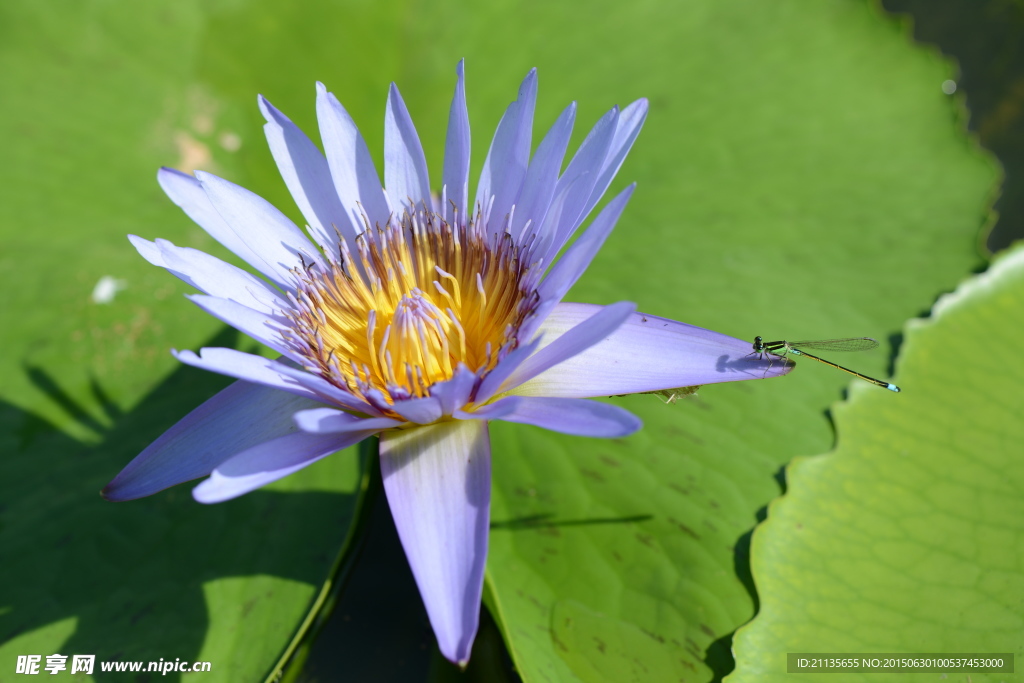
(289,664)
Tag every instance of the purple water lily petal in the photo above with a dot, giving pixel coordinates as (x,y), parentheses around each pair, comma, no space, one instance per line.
(627,128)
(505,166)
(257,325)
(270,461)
(582,175)
(419,410)
(331,421)
(454,393)
(352,169)
(245,366)
(576,416)
(212,276)
(564,274)
(235,419)
(187,193)
(305,172)
(331,393)
(405,166)
(589,332)
(541,176)
(494,379)
(438,484)
(646,353)
(455,177)
(276,241)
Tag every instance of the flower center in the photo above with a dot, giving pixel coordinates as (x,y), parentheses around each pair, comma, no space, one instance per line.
(422,297)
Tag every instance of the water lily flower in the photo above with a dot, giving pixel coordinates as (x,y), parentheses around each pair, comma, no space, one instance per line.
(418,318)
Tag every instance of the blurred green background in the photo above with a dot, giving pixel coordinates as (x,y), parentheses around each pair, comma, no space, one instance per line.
(806,171)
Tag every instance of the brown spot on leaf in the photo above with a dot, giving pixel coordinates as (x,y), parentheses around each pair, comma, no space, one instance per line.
(685,529)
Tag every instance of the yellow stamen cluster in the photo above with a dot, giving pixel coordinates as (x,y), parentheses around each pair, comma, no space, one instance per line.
(423,297)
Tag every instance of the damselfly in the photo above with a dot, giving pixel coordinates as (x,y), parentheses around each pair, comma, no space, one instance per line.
(798,348)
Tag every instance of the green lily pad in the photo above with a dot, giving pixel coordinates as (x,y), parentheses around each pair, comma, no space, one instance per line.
(801,175)
(907,537)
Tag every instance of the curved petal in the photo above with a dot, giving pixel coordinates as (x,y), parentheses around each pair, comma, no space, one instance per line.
(438,484)
(211,276)
(270,461)
(331,393)
(589,332)
(646,353)
(494,379)
(454,393)
(582,175)
(355,177)
(564,274)
(576,416)
(259,326)
(331,421)
(627,128)
(541,176)
(237,418)
(455,177)
(245,366)
(405,166)
(188,193)
(276,241)
(505,165)
(419,410)
(574,262)
(308,177)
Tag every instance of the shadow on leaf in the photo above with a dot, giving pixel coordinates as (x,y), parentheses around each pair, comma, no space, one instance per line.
(138,576)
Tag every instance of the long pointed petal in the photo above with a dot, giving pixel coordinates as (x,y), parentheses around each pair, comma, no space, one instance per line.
(246,366)
(308,177)
(438,484)
(331,421)
(211,276)
(627,128)
(455,177)
(355,176)
(259,326)
(237,418)
(582,174)
(564,274)
(646,353)
(589,332)
(494,379)
(576,416)
(505,167)
(270,461)
(405,166)
(188,193)
(541,176)
(331,393)
(275,240)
